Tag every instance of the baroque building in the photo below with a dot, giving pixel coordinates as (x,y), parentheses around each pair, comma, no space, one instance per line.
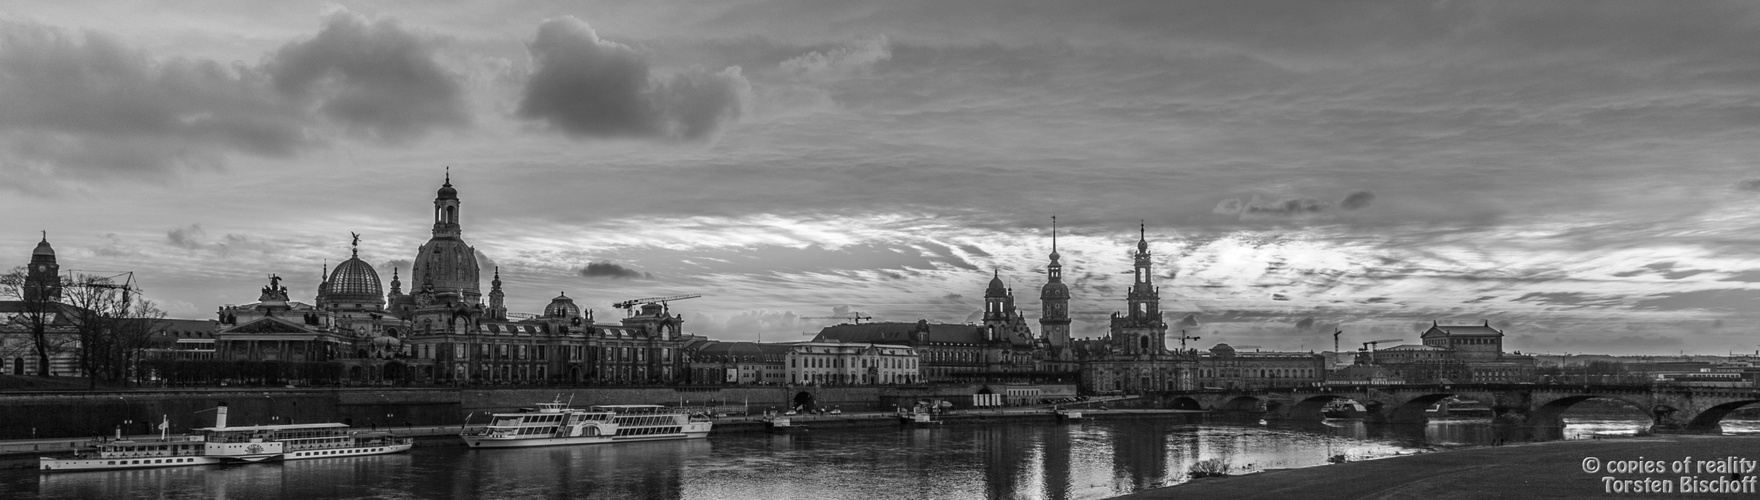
(40,291)
(1134,355)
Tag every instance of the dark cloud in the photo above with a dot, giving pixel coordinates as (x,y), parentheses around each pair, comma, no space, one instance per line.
(188,237)
(1664,269)
(1305,324)
(85,103)
(586,86)
(193,237)
(1259,208)
(1734,299)
(1750,276)
(484,263)
(611,271)
(400,266)
(373,76)
(1357,200)
(1189,322)
(1748,185)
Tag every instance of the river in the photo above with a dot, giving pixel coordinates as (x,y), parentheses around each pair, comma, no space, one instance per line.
(1037,460)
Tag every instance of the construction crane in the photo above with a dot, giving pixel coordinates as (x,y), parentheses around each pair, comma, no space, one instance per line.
(1370,345)
(857,317)
(631,303)
(1183,338)
(1335,333)
(95,280)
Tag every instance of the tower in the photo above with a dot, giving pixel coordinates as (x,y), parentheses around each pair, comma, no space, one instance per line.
(445,258)
(1141,330)
(497,309)
(1054,298)
(996,302)
(43,279)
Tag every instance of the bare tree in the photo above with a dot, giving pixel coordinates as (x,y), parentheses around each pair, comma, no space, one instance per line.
(37,311)
(113,324)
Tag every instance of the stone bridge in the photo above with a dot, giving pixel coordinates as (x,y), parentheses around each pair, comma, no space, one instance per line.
(1671,408)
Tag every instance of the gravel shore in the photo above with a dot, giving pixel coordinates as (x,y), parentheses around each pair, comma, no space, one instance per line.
(1536,470)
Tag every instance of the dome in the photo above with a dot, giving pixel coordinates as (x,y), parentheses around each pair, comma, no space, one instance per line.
(562,307)
(1222,350)
(1054,290)
(354,281)
(43,249)
(996,288)
(446,191)
(653,309)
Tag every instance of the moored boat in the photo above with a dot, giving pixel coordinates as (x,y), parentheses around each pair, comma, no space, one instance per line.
(222,444)
(554,423)
(1067,415)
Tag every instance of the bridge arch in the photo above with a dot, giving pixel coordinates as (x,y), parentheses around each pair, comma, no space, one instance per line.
(1184,403)
(1243,403)
(1550,412)
(1310,407)
(1708,420)
(1412,411)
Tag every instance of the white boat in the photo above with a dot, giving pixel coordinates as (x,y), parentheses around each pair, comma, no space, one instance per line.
(552,424)
(221,444)
(1066,415)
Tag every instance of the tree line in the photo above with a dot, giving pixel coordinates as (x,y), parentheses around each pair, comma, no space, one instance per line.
(107,325)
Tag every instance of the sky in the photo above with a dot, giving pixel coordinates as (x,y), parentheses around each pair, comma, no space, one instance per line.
(1579,174)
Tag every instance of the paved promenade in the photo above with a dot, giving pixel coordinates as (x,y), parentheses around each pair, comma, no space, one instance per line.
(1537,470)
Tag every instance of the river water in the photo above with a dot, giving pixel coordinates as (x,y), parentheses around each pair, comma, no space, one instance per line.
(1037,460)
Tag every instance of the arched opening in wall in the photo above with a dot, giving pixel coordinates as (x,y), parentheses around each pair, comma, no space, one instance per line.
(1417,410)
(1323,406)
(1184,403)
(1735,417)
(1591,415)
(803,401)
(1243,403)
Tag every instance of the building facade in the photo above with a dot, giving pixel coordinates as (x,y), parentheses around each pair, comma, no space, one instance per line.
(1134,355)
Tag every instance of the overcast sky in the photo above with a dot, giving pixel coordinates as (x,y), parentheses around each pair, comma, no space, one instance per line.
(1580,174)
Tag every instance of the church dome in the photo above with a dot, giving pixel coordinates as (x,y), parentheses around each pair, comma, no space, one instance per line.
(354,281)
(996,289)
(43,249)
(446,191)
(562,307)
(1055,290)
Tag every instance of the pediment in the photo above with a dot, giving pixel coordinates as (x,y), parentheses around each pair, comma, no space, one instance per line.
(268,325)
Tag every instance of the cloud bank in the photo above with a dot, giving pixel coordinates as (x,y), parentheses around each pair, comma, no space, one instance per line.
(589,87)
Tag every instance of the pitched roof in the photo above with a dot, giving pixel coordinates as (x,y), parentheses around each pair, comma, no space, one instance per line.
(900,333)
(1465,330)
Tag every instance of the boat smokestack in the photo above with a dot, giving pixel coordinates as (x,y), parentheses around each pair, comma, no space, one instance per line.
(220,415)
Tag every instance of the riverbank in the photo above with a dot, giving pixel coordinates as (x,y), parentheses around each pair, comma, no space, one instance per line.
(1533,470)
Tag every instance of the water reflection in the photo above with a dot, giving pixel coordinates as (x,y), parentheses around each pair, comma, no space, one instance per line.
(1039,460)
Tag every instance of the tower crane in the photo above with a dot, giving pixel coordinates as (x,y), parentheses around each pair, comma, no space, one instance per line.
(94,280)
(631,303)
(1183,338)
(1370,345)
(857,317)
